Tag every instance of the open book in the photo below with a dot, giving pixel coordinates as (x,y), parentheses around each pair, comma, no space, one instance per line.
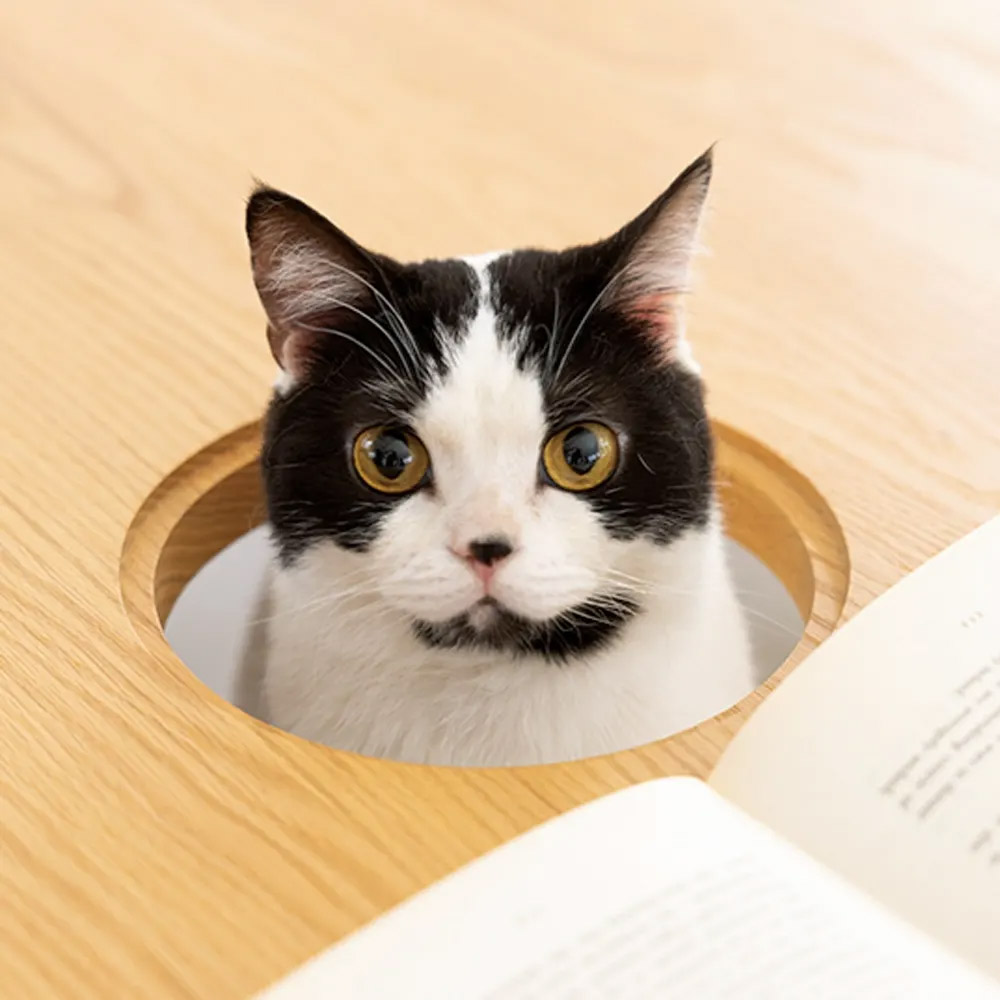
(847,844)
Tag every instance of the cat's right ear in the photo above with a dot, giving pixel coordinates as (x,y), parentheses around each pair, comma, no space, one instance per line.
(310,276)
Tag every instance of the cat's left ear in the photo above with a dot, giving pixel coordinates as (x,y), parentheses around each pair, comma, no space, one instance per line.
(658,248)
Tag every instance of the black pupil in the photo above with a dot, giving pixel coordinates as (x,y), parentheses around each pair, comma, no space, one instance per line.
(390,454)
(581,449)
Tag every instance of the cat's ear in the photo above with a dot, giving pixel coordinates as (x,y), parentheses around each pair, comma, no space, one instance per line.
(658,248)
(310,276)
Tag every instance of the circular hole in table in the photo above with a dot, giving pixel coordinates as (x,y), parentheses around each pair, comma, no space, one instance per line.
(194,553)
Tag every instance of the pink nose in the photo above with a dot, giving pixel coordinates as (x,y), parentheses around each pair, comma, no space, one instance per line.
(484,555)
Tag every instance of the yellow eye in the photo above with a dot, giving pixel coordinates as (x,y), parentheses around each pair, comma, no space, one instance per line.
(390,460)
(581,457)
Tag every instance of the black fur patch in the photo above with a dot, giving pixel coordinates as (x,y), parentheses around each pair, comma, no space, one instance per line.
(585,628)
(610,369)
(312,490)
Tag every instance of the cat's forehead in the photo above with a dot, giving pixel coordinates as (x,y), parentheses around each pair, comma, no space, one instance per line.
(484,398)
(479,310)
(516,289)
(503,363)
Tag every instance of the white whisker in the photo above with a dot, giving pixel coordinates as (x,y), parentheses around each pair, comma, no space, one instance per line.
(576,333)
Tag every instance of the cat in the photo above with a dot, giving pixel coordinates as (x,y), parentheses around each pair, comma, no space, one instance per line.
(490,492)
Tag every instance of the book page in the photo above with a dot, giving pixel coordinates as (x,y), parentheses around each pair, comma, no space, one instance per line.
(880,754)
(661,890)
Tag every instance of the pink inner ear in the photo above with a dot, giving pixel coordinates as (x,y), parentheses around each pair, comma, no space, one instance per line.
(290,350)
(658,312)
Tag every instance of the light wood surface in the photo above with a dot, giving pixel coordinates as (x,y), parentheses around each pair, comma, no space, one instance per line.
(155,842)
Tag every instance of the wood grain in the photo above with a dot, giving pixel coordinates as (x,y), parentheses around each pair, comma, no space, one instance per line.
(155,842)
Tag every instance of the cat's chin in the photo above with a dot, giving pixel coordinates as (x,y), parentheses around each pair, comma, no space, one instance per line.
(489,626)
(484,615)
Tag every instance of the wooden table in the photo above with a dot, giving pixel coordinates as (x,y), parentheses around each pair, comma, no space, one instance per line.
(155,841)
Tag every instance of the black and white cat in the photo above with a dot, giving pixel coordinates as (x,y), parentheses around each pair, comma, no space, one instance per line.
(490,489)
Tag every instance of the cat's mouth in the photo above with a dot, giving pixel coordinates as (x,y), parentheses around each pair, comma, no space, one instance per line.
(488,625)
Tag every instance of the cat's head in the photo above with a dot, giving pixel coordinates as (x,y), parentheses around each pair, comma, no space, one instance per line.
(503,442)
